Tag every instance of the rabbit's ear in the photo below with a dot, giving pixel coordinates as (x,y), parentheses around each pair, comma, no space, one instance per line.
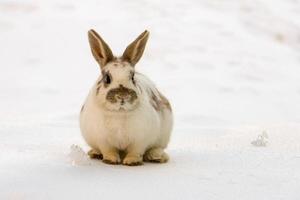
(100,49)
(135,50)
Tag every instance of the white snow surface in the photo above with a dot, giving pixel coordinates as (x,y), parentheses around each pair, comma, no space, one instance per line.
(230,68)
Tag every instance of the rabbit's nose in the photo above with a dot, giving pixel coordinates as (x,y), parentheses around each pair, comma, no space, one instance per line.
(122,98)
(119,97)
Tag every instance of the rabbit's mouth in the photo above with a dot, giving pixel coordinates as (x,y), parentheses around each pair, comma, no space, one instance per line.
(126,107)
(122,109)
(121,106)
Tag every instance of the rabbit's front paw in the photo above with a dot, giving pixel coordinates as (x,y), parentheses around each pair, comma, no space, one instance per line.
(94,154)
(156,155)
(133,160)
(112,159)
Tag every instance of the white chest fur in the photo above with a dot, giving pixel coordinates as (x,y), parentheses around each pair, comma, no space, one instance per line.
(120,129)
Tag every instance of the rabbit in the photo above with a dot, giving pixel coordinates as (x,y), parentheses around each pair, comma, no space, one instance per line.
(125,119)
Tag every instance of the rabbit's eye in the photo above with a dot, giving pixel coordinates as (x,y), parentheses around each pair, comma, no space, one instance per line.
(107,79)
(132,77)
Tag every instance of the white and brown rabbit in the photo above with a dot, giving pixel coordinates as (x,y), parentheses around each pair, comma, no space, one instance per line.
(125,119)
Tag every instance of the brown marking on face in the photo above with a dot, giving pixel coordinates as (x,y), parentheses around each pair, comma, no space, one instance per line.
(99,85)
(160,103)
(97,90)
(120,62)
(100,81)
(82,108)
(123,93)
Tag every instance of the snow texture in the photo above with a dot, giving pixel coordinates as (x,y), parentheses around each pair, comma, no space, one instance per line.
(230,68)
(78,156)
(261,140)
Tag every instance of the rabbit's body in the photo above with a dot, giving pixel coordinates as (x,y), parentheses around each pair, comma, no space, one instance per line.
(128,116)
(144,125)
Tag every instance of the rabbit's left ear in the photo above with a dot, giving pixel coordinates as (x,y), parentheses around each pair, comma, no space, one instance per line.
(135,50)
(100,49)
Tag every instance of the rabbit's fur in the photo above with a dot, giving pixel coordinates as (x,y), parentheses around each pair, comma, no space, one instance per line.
(125,119)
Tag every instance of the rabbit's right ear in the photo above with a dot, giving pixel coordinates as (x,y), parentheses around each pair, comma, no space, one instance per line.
(100,49)
(135,50)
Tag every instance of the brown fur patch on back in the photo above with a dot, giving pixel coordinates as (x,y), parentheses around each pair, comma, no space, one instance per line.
(159,103)
(165,102)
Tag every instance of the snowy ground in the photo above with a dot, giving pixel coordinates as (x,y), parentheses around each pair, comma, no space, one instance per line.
(230,68)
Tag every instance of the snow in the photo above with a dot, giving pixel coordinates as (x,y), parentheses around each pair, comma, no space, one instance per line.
(261,140)
(230,68)
(78,156)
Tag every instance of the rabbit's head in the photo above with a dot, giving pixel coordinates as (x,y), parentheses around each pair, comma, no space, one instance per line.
(117,89)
